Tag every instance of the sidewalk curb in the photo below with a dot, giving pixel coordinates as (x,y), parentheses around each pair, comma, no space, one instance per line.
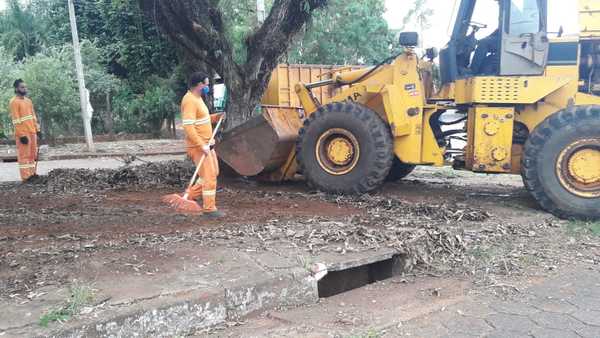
(107,155)
(197,310)
(82,156)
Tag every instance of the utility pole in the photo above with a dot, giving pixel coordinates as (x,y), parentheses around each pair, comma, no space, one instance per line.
(260,11)
(86,112)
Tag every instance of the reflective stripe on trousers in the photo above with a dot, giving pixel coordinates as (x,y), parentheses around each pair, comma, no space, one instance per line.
(22,119)
(206,185)
(27,156)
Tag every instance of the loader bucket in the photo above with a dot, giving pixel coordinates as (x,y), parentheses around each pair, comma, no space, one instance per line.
(263,144)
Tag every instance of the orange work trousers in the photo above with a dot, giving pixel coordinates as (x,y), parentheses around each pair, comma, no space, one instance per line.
(27,155)
(206,184)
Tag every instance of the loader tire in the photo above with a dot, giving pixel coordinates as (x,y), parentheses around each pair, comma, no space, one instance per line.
(561,163)
(345,148)
(399,170)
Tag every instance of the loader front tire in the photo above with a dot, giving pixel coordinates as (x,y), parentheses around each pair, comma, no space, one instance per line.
(561,163)
(345,148)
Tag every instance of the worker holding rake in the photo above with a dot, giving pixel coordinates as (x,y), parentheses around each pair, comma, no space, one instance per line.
(199,139)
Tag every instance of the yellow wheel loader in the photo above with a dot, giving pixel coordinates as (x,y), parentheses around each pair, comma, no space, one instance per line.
(525,104)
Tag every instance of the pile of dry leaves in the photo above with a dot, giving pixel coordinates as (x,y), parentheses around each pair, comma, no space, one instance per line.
(423,231)
(172,173)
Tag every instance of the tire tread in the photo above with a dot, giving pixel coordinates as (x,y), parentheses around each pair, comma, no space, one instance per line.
(534,146)
(383,142)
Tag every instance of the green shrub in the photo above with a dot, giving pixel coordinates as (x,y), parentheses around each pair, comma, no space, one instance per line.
(53,87)
(10,70)
(51,81)
(145,112)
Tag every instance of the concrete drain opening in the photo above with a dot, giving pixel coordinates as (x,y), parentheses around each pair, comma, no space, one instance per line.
(336,282)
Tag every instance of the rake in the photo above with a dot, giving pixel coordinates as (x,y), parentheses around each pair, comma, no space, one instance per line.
(182,203)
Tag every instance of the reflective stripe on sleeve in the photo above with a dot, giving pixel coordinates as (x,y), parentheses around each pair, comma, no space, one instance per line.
(205,120)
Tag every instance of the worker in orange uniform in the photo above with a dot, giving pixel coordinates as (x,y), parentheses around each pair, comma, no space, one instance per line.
(27,131)
(197,124)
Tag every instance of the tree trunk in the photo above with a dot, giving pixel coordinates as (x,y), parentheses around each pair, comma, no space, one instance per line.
(243,102)
(173,128)
(109,122)
(199,28)
(46,130)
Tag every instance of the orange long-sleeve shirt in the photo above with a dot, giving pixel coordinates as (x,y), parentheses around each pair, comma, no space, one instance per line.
(197,121)
(23,116)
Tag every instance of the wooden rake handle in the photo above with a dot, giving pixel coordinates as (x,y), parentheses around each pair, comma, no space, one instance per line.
(195,176)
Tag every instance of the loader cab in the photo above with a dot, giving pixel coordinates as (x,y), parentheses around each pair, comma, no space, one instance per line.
(510,41)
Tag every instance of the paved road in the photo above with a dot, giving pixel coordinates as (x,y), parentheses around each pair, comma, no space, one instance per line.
(9,171)
(563,306)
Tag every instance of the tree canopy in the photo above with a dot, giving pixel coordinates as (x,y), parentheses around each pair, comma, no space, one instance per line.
(203,32)
(140,51)
(346,32)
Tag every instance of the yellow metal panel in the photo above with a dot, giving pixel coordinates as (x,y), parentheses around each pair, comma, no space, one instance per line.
(271,96)
(589,18)
(399,123)
(582,99)
(490,139)
(534,114)
(286,122)
(507,89)
(306,99)
(404,107)
(470,149)
(285,77)
(407,106)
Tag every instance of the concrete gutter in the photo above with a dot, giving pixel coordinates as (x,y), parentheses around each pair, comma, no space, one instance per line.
(189,312)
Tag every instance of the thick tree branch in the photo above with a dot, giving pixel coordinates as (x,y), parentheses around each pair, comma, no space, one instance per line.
(198,27)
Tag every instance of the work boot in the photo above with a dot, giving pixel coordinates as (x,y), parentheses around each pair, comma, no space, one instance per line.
(33,180)
(214,214)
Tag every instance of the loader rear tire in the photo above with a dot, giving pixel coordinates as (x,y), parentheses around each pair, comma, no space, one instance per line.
(399,170)
(561,163)
(345,148)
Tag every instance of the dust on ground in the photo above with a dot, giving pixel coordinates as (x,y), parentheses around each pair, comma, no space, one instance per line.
(483,227)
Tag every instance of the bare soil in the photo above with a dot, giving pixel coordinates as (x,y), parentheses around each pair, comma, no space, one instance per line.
(45,236)
(476,225)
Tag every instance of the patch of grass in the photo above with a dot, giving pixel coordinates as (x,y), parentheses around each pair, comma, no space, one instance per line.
(79,296)
(576,227)
(484,254)
(528,260)
(445,173)
(305,262)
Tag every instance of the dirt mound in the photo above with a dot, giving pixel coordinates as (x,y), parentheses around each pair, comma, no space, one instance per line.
(172,173)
